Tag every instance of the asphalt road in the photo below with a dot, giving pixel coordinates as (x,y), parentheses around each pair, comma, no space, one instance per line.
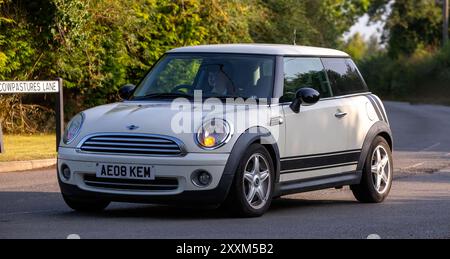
(418,207)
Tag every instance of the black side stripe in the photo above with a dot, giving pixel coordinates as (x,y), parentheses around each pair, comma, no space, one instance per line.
(317,168)
(314,161)
(378,108)
(375,107)
(321,154)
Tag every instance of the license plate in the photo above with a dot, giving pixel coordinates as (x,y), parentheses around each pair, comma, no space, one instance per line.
(118,171)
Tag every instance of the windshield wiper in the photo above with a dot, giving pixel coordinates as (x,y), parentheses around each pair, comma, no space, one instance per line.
(222,96)
(162,95)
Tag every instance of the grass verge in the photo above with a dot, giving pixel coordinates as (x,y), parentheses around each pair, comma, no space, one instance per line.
(28,147)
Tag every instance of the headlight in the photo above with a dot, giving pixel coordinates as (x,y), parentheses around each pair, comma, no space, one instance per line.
(213,134)
(73,128)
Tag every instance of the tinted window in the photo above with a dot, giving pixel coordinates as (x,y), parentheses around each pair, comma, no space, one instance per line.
(301,73)
(344,76)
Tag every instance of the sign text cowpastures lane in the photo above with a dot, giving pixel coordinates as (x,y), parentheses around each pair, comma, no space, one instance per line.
(29,87)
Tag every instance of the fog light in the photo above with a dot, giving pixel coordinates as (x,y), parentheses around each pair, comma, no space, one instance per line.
(65,172)
(204,178)
(201,178)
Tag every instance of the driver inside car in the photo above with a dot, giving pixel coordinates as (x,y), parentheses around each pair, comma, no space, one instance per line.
(219,83)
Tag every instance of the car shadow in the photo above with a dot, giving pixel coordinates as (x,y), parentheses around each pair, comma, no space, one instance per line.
(117,210)
(287,203)
(42,203)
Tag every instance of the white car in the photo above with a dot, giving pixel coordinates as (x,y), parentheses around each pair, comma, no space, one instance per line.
(235,125)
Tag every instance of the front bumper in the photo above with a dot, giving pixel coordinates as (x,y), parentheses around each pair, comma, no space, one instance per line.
(83,165)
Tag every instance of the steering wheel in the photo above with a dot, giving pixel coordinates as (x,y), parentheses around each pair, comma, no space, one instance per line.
(182,89)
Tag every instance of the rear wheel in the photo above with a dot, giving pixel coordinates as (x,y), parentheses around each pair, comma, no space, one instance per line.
(86,205)
(252,189)
(377,174)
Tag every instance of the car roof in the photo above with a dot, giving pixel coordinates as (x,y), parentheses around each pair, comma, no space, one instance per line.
(262,49)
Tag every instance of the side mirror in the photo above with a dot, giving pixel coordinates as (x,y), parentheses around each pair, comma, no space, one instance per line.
(126,91)
(305,97)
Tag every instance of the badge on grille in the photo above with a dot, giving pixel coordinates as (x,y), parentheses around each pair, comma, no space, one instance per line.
(132,127)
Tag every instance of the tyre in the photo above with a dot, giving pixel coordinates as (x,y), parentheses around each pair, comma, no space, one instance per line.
(377,174)
(252,189)
(84,205)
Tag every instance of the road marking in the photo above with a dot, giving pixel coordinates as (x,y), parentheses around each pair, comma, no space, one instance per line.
(26,212)
(430,147)
(415,165)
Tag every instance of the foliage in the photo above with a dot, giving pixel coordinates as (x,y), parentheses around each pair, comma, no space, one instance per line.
(422,77)
(356,47)
(333,18)
(227,21)
(22,118)
(309,22)
(18,51)
(360,49)
(410,24)
(97,46)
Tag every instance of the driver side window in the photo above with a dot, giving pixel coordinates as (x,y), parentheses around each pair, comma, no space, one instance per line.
(178,72)
(301,73)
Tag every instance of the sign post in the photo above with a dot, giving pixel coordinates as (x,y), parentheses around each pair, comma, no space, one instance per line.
(2,147)
(59,113)
(49,86)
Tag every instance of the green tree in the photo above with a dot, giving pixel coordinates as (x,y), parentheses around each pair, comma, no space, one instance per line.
(19,55)
(278,20)
(410,24)
(356,46)
(314,22)
(226,21)
(332,18)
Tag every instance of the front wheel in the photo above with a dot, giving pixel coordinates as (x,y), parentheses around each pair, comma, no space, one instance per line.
(377,174)
(85,205)
(252,189)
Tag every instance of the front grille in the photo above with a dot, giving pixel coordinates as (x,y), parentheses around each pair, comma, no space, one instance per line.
(159,184)
(132,144)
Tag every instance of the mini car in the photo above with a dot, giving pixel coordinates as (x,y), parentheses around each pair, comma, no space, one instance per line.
(234,125)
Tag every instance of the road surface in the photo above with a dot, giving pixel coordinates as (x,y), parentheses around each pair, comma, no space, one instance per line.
(418,207)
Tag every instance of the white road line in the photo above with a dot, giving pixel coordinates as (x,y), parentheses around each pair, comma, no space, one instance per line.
(415,165)
(430,147)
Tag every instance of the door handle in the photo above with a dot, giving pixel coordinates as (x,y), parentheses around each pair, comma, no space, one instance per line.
(340,115)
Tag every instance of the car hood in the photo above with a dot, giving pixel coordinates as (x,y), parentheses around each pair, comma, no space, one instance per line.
(159,117)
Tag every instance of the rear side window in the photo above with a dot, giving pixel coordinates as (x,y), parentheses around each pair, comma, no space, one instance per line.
(344,76)
(301,73)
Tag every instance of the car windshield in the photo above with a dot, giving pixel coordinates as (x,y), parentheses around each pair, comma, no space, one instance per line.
(215,75)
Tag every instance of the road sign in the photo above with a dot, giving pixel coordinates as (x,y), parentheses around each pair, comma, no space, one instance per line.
(39,87)
(7,87)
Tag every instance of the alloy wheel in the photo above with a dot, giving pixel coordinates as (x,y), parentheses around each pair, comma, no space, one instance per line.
(257,181)
(381,169)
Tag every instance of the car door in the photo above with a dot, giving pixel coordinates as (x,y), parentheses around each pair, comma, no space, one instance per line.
(356,103)
(316,137)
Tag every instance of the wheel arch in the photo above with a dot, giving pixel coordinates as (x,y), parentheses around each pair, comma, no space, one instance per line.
(251,136)
(380,128)
(388,137)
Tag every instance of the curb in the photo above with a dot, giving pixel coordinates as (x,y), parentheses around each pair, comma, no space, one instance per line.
(26,165)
